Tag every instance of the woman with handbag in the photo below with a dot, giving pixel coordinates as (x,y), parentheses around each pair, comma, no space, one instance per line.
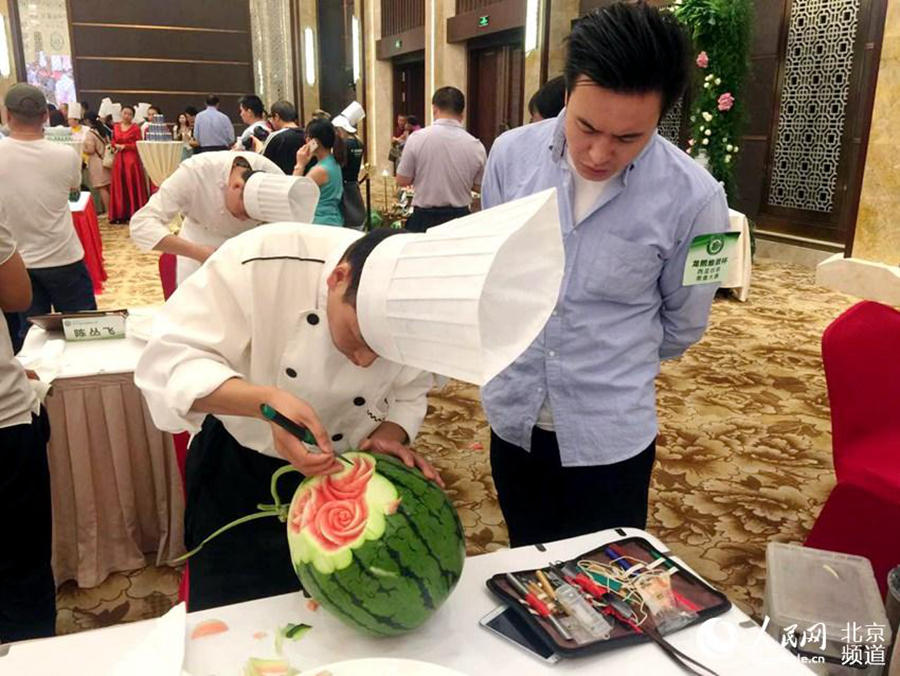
(128,189)
(100,156)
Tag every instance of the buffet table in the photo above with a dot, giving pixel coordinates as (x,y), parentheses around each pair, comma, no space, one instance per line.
(84,219)
(115,484)
(160,158)
(730,644)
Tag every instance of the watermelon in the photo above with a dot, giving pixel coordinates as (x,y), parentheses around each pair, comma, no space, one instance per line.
(377,544)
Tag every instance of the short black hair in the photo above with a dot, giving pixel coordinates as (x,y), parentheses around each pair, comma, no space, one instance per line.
(449,99)
(156,108)
(212,100)
(285,110)
(128,106)
(252,103)
(630,48)
(190,110)
(550,99)
(321,130)
(357,253)
(413,120)
(55,119)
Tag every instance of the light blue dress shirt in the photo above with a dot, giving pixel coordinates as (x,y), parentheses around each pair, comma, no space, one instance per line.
(213,128)
(622,307)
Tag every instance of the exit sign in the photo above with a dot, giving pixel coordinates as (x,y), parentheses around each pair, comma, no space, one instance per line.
(398,44)
(483,21)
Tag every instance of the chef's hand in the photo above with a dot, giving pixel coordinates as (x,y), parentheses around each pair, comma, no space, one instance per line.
(294,450)
(409,457)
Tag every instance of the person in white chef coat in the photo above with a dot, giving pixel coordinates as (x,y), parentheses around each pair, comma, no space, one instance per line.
(334,330)
(210,191)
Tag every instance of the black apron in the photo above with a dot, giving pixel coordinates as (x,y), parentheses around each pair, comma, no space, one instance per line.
(226,481)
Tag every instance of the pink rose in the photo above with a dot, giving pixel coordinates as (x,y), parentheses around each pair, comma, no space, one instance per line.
(702,60)
(351,483)
(726,101)
(340,522)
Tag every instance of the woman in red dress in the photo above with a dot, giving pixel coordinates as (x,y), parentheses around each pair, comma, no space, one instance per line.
(128,189)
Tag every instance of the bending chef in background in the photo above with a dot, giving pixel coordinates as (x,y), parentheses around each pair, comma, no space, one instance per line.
(220,194)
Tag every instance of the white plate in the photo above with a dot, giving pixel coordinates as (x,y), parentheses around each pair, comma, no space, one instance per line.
(383,666)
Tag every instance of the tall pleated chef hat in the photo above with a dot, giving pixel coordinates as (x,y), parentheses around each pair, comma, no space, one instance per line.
(466,298)
(350,117)
(116,112)
(75,111)
(141,112)
(272,198)
(106,107)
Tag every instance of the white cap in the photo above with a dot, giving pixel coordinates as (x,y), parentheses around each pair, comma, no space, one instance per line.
(466,298)
(106,107)
(272,198)
(350,117)
(75,111)
(142,112)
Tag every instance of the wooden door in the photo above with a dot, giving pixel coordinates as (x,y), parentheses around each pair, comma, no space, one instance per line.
(409,90)
(810,95)
(496,82)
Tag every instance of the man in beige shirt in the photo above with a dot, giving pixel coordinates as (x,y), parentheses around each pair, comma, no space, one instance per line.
(444,162)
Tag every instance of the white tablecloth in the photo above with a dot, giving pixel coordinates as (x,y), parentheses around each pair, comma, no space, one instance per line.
(732,644)
(114,478)
(160,158)
(739,270)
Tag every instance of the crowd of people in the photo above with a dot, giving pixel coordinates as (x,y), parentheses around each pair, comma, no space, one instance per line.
(572,419)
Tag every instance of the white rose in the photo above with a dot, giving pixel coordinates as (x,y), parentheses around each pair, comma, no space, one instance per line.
(702,127)
(729,147)
(708,132)
(727,159)
(706,141)
(706,85)
(736,149)
(709,77)
(718,80)
(707,116)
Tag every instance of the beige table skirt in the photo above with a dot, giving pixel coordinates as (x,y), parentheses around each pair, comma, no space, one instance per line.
(118,502)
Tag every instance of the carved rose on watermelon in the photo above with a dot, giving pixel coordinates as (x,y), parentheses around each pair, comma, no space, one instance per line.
(335,514)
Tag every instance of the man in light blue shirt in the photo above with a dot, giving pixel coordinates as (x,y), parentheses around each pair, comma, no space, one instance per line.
(573,420)
(213,129)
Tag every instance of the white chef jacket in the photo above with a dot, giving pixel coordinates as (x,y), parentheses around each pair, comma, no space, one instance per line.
(256,310)
(197,191)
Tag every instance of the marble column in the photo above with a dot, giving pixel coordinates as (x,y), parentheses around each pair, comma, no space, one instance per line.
(378,84)
(877,233)
(445,64)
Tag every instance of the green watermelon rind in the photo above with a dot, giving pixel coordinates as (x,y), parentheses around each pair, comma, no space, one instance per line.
(423,566)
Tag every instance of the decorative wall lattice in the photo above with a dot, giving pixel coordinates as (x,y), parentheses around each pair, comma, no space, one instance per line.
(670,124)
(818,63)
(273,71)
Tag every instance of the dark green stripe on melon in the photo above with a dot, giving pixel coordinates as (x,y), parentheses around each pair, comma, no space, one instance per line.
(395,583)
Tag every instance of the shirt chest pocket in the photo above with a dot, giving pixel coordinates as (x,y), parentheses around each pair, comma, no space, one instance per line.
(621,271)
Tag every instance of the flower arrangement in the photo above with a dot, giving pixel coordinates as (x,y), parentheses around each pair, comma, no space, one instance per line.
(720,30)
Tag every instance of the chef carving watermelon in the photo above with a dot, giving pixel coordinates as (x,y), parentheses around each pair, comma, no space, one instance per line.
(377,544)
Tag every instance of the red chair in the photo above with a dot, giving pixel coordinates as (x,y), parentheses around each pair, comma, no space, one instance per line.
(167,264)
(861,353)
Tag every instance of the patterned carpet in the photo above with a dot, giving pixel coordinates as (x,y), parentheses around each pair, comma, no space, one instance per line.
(744,455)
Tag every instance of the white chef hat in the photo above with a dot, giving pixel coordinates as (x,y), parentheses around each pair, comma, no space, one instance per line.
(466,298)
(350,117)
(106,107)
(142,112)
(273,198)
(75,111)
(116,112)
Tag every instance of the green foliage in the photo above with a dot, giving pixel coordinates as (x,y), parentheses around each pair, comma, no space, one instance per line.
(722,30)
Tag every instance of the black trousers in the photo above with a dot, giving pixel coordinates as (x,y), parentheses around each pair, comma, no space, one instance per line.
(543,501)
(422,219)
(225,481)
(27,590)
(64,288)
(209,149)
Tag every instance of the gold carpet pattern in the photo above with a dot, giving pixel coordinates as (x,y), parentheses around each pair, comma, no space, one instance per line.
(744,454)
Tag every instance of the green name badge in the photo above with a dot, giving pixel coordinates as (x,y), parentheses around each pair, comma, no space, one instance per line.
(94,328)
(709,257)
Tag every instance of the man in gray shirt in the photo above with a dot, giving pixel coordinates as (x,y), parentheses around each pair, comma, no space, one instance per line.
(213,129)
(444,162)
